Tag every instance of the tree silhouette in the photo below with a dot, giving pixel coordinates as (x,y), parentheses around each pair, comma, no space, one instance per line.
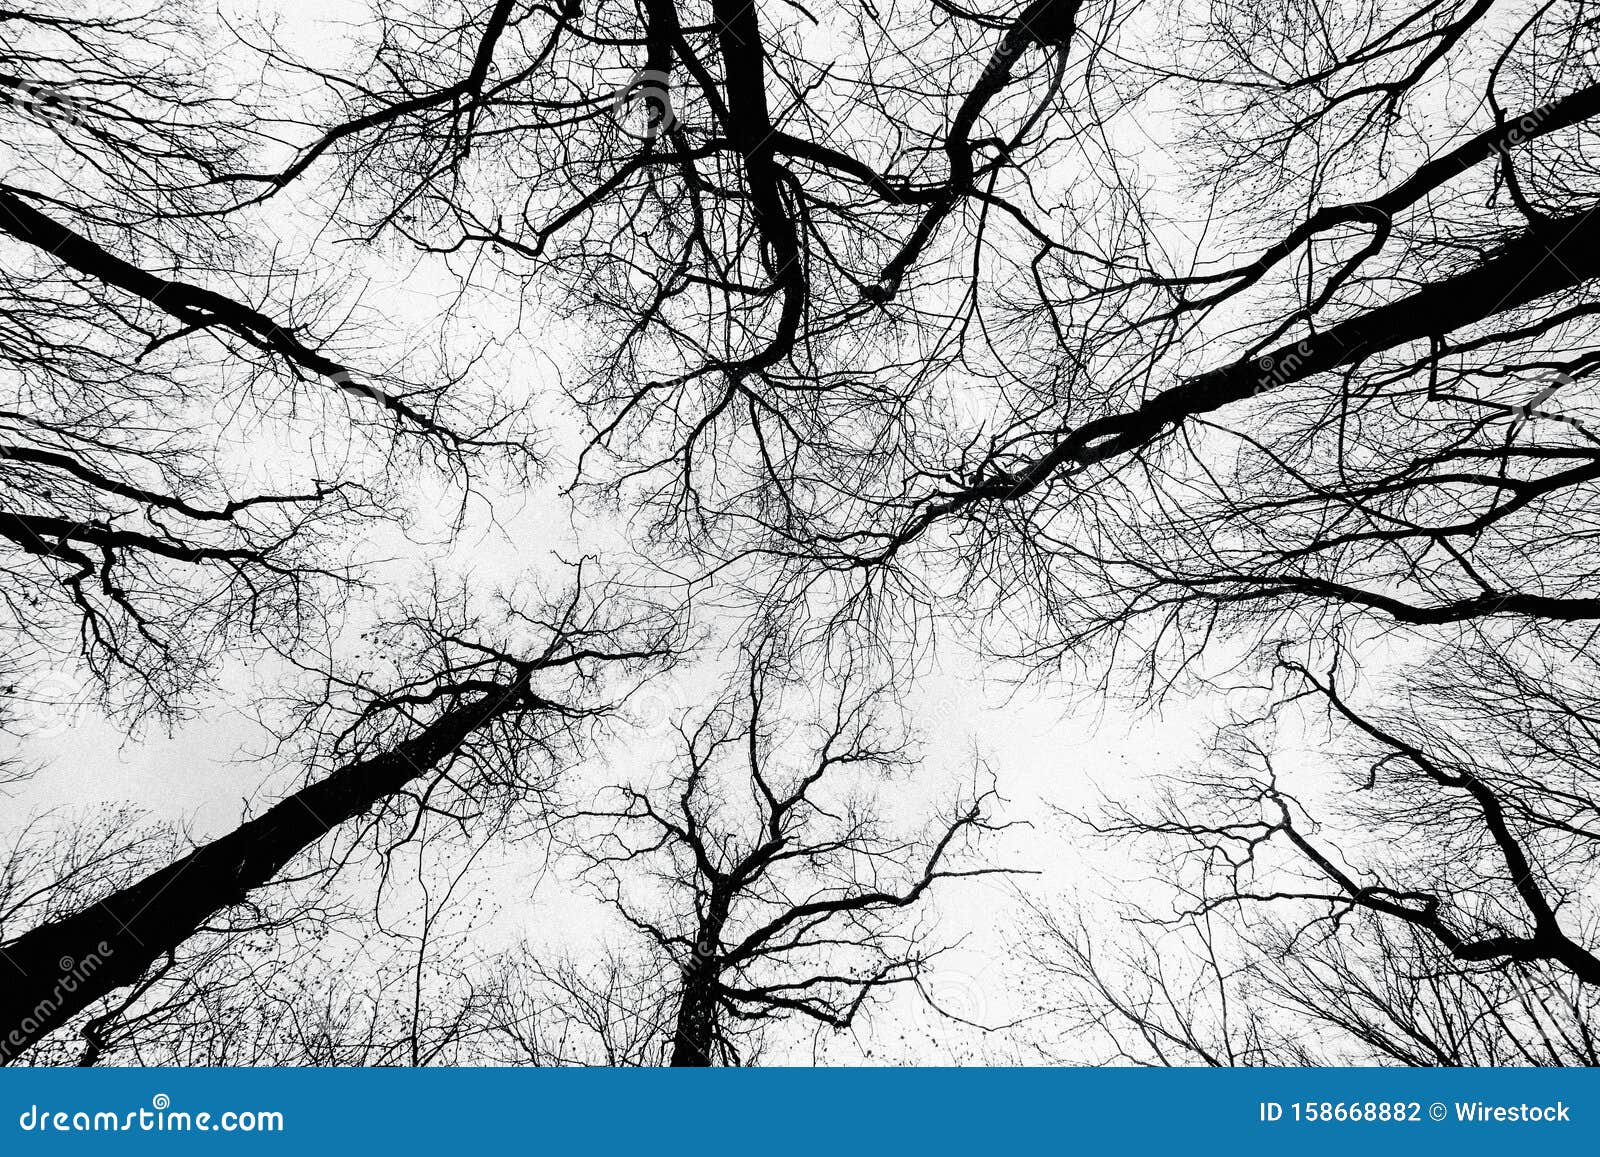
(1119,343)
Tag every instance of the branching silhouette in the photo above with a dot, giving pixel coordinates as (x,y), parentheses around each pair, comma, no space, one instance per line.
(781,882)
(1113,341)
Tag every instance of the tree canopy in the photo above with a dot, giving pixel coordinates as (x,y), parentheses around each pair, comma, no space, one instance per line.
(556,447)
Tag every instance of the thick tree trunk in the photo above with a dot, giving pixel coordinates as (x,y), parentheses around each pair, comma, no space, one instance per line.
(692,1035)
(1556,257)
(56,970)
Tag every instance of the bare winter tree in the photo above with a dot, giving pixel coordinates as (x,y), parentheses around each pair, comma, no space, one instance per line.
(1051,330)
(1263,993)
(170,492)
(767,884)
(1432,910)
(147,340)
(462,717)
(781,884)
(1116,341)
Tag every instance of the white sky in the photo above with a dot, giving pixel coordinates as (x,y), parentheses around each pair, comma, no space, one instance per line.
(1045,753)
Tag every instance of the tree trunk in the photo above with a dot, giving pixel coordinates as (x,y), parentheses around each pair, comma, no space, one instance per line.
(57,969)
(693,1035)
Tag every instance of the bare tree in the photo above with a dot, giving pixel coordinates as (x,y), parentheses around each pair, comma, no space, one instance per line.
(781,880)
(1229,993)
(144,342)
(880,321)
(464,716)
(1431,911)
